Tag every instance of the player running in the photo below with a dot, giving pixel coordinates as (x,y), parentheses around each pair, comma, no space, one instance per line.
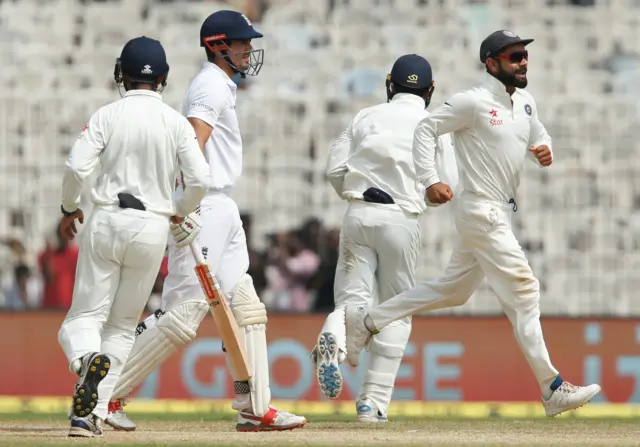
(140,143)
(371,166)
(210,107)
(496,127)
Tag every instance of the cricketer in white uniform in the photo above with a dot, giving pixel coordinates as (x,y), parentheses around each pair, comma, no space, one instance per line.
(495,127)
(371,166)
(210,107)
(140,143)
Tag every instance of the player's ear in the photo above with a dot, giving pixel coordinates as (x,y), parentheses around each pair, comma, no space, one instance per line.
(117,71)
(492,65)
(389,88)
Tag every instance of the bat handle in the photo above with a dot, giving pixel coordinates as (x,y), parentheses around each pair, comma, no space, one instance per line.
(197,252)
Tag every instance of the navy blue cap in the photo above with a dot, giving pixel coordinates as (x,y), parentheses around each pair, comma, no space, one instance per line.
(144,59)
(498,41)
(412,71)
(226,24)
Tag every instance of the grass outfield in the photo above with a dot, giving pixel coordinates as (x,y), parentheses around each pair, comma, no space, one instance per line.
(39,429)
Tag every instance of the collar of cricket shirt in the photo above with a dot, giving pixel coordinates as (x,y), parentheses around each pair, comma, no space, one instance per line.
(211,66)
(140,92)
(409,98)
(495,86)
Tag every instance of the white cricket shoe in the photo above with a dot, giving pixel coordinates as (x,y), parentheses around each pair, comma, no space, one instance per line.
(369,412)
(569,397)
(273,420)
(85,427)
(326,358)
(117,418)
(358,336)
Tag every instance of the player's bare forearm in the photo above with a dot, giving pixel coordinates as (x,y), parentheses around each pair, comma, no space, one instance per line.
(203,131)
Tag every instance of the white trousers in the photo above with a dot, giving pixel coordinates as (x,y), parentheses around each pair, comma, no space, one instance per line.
(379,249)
(487,247)
(120,254)
(224,243)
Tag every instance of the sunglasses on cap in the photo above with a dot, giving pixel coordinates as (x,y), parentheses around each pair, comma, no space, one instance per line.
(514,57)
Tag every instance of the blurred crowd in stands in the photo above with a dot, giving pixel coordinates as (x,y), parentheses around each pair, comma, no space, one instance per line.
(293,274)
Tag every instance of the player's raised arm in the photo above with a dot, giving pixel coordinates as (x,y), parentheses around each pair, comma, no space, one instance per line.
(195,173)
(337,160)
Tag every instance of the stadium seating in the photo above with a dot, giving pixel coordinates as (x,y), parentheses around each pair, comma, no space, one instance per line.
(324,60)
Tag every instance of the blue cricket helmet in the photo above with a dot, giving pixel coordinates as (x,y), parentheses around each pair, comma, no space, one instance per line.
(222,27)
(144,60)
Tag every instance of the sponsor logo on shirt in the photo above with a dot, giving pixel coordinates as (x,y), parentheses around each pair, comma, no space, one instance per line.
(494,121)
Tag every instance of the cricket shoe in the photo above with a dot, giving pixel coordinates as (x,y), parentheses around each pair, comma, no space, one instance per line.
(369,412)
(94,368)
(273,420)
(85,427)
(569,397)
(327,361)
(358,336)
(117,418)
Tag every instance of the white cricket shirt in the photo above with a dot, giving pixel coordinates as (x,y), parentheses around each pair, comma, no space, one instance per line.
(211,97)
(140,143)
(492,134)
(376,151)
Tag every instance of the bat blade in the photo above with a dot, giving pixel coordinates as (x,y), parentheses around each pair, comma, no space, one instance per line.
(226,323)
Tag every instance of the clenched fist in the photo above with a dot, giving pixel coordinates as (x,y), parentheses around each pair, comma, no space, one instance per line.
(543,154)
(439,193)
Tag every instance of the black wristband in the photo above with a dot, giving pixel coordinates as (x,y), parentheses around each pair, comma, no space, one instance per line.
(67,213)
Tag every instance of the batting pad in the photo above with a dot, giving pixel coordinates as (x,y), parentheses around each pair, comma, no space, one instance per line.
(251,316)
(153,346)
(384,360)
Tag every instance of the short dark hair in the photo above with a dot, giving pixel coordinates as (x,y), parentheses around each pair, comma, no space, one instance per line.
(210,54)
(421,92)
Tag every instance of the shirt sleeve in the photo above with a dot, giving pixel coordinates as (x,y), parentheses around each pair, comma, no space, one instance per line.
(195,171)
(208,103)
(337,161)
(455,114)
(83,159)
(539,135)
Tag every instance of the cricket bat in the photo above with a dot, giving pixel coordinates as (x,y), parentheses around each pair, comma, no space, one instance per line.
(225,321)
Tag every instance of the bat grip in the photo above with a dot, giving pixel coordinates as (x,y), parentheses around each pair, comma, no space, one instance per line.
(196,251)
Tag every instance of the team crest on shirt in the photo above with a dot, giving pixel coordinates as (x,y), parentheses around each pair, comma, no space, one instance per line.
(494,121)
(527,108)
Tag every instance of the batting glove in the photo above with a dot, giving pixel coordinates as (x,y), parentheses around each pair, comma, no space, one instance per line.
(187,230)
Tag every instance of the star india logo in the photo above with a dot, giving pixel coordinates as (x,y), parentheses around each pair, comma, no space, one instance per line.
(147,70)
(412,78)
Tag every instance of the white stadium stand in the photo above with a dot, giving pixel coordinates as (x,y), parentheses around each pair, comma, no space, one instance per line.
(324,60)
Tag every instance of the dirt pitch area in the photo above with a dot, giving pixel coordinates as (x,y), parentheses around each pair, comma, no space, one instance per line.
(321,432)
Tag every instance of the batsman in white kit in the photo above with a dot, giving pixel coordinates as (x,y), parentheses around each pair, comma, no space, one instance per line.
(495,128)
(210,107)
(371,166)
(140,142)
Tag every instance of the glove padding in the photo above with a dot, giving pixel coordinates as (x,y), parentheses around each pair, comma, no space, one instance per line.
(187,230)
